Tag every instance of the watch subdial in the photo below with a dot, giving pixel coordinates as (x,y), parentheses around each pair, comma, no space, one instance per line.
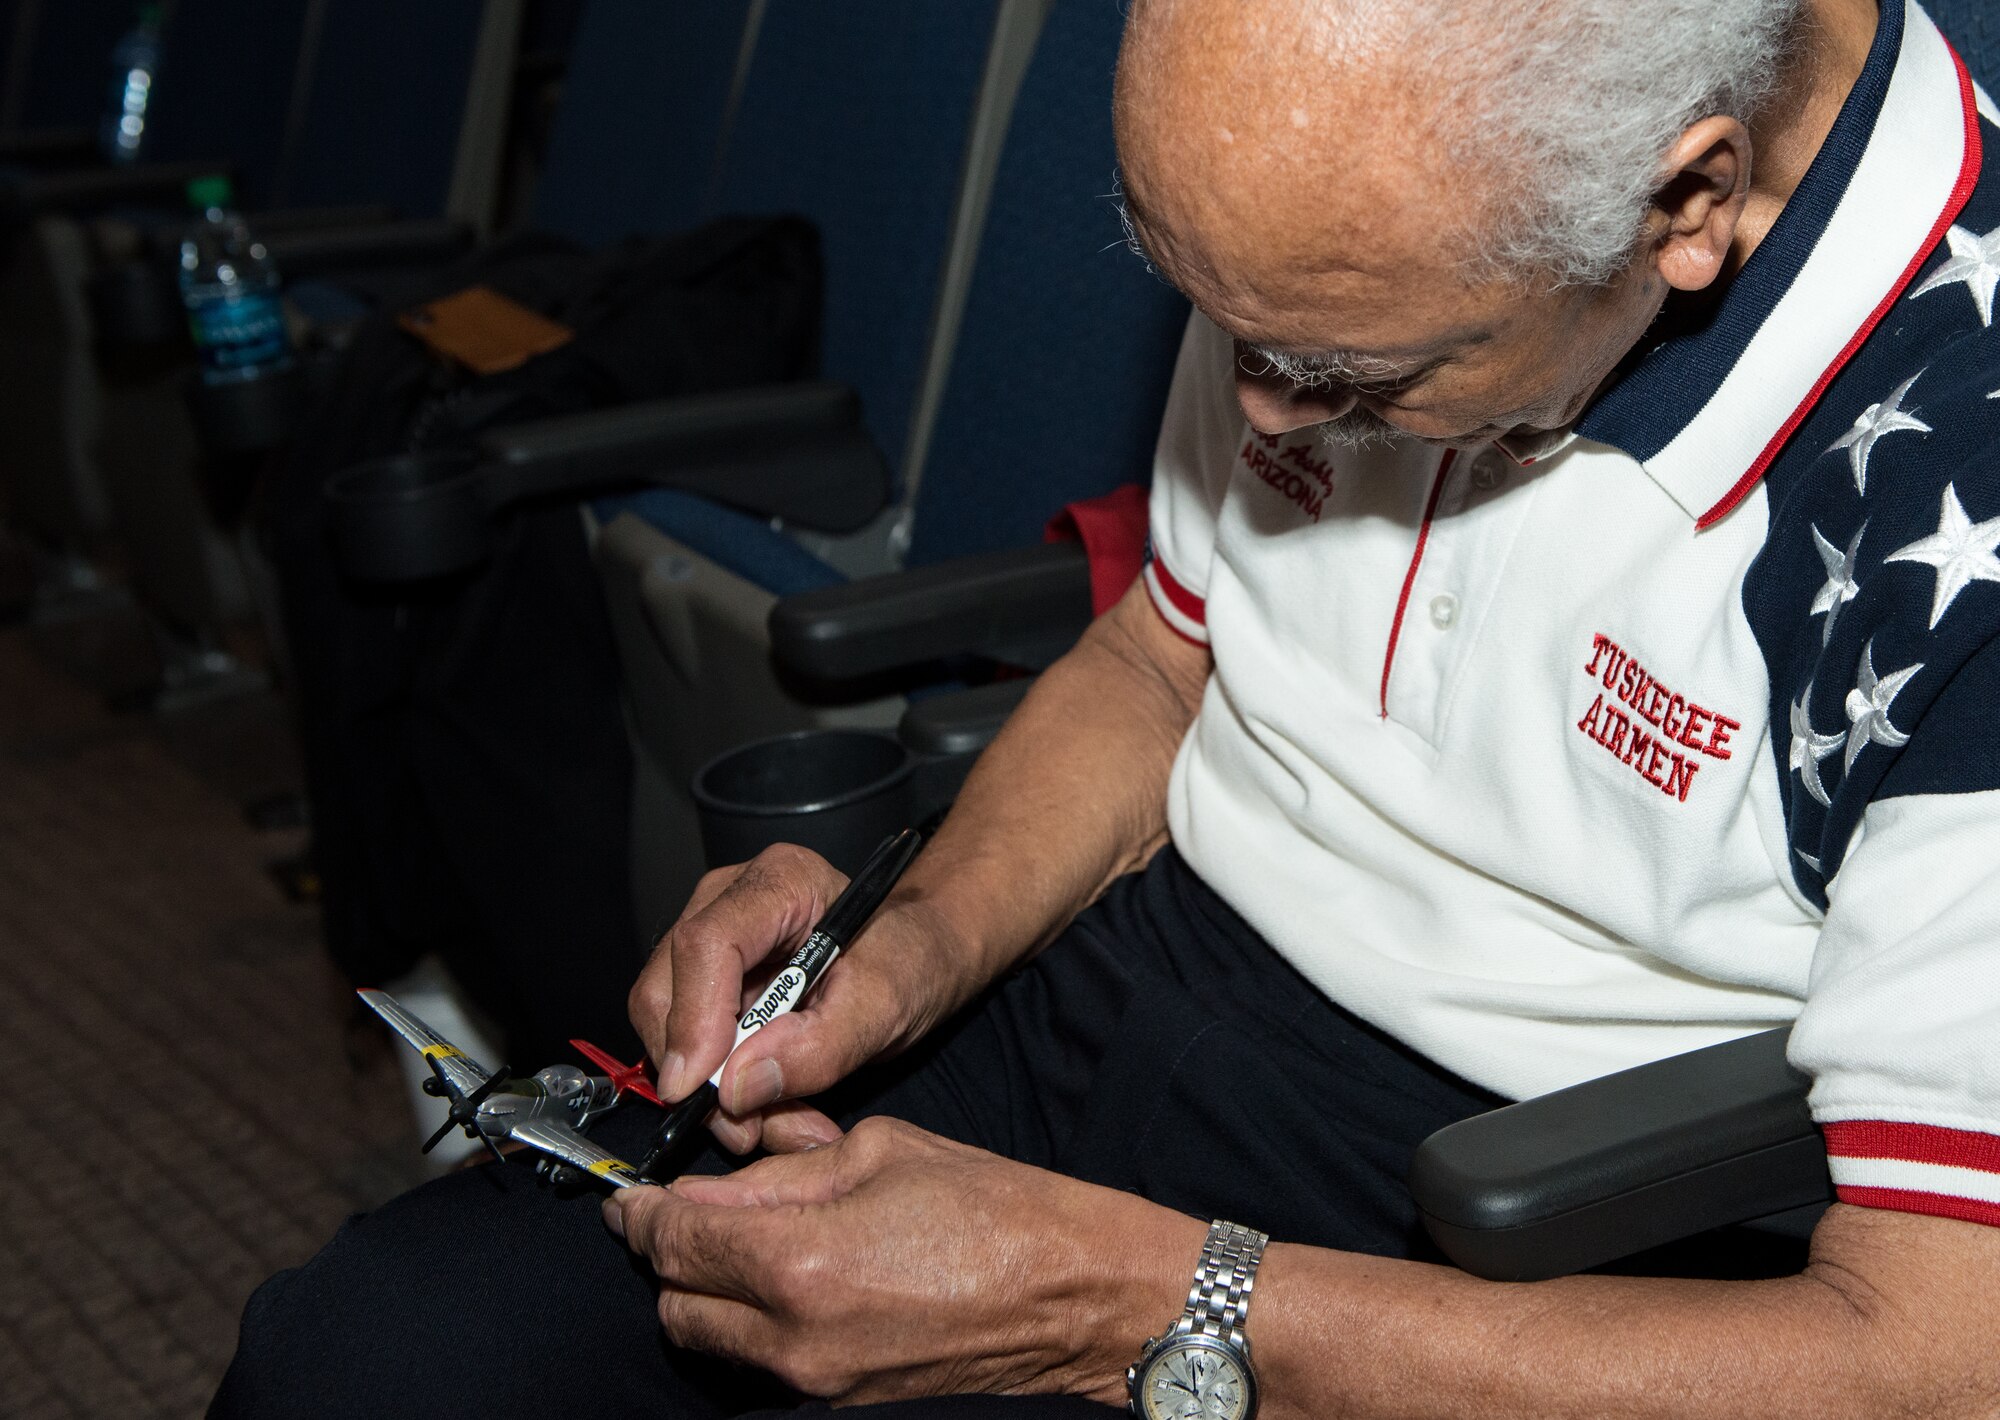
(1195,1385)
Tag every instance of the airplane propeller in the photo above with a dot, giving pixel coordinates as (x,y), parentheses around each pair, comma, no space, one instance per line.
(463,1109)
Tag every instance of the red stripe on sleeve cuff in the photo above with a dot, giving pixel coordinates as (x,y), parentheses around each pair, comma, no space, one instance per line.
(1933,1205)
(1913,1143)
(1180,598)
(1184,613)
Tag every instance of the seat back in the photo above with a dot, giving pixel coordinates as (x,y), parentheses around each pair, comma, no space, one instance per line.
(227,75)
(389,86)
(634,144)
(1067,343)
(65,63)
(856,115)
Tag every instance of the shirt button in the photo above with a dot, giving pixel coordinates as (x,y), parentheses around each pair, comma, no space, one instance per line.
(1488,472)
(1444,611)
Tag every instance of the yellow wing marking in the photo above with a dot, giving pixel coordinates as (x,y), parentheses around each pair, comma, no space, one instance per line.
(604,1168)
(441,1052)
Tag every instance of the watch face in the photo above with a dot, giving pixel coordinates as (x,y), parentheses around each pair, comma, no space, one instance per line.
(1196,1379)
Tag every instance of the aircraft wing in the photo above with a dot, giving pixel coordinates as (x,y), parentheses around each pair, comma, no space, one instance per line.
(465,1073)
(577,1151)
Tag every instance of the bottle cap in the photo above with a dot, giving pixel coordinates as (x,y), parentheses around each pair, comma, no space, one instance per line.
(214,190)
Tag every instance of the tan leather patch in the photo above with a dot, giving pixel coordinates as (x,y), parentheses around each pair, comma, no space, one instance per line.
(484,331)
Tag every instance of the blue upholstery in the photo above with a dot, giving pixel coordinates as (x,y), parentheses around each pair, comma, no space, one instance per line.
(733,541)
(634,143)
(1063,362)
(381,121)
(225,87)
(856,114)
(1068,342)
(1973,27)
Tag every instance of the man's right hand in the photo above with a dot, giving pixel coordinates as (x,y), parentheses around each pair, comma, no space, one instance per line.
(894,982)
(1071,794)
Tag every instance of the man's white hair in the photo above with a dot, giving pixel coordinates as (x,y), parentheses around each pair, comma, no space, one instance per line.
(1565,108)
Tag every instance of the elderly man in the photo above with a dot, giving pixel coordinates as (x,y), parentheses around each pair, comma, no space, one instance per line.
(1568,642)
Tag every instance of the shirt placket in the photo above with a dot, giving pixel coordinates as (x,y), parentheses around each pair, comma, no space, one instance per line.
(1472,521)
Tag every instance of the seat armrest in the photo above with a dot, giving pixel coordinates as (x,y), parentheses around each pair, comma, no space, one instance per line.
(88,190)
(1026,605)
(792,452)
(1584,1176)
(796,452)
(960,724)
(332,246)
(947,732)
(68,147)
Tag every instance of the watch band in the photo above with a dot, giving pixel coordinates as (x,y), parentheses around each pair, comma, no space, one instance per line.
(1218,1302)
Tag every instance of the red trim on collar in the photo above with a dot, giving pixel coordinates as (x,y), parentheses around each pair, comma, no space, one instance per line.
(1968,178)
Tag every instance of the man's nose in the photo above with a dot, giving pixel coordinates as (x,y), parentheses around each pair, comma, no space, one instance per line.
(1276,405)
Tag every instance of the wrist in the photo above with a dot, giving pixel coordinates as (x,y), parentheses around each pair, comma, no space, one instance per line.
(1133,1286)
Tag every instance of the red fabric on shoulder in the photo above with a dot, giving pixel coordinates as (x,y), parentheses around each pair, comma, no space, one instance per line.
(1112,529)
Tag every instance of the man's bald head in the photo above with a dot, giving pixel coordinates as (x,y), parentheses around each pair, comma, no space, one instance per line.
(1527,132)
(1368,192)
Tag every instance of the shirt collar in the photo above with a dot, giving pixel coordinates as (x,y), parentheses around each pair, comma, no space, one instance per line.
(1706,410)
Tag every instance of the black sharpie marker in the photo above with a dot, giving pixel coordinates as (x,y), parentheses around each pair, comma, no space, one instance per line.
(842,923)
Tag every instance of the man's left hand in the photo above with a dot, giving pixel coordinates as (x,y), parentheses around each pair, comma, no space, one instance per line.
(895,1263)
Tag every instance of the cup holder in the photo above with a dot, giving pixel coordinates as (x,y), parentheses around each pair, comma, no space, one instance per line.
(837,792)
(410,516)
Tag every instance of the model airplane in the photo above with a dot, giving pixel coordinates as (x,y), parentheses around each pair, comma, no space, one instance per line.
(546,1110)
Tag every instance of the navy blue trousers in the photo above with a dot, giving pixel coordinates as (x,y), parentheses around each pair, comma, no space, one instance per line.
(1158,1046)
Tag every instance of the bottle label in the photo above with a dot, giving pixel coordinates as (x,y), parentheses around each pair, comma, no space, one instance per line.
(238,332)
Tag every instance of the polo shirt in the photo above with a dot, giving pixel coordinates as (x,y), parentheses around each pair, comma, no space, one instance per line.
(1683,725)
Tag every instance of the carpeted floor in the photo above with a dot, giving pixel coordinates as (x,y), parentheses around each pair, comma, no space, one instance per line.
(186,1104)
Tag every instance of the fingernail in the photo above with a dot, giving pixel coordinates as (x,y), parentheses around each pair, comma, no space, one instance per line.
(825,1131)
(757,1085)
(614,1216)
(670,1075)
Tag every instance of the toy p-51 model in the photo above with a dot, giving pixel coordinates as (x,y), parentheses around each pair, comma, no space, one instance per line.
(546,1110)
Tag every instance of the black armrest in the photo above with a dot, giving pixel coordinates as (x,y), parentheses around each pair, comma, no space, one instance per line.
(962,723)
(302,250)
(68,147)
(948,732)
(1615,1166)
(88,190)
(794,452)
(1026,606)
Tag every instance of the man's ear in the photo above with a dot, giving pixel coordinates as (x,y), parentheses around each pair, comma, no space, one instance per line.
(1696,213)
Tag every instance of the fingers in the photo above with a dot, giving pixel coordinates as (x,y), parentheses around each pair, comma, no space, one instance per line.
(771,904)
(791,1126)
(814,1176)
(720,1326)
(858,1012)
(653,993)
(693,1246)
(784,1128)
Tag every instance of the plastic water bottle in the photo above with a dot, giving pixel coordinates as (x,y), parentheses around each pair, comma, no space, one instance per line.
(135,62)
(230,288)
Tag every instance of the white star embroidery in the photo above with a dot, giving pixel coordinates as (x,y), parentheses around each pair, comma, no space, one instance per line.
(1961,551)
(1975,260)
(1868,706)
(1840,584)
(1809,747)
(1876,423)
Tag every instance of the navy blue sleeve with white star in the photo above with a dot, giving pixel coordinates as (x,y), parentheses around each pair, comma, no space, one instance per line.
(1876,598)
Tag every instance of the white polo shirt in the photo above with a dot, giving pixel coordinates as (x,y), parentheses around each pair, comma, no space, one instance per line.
(1686,729)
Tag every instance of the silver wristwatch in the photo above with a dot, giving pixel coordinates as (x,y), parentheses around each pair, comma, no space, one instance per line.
(1200,1369)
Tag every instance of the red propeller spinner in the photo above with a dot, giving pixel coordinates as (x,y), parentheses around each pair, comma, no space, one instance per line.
(623,1078)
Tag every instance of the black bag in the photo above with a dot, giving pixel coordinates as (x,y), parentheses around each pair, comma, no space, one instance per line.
(466,756)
